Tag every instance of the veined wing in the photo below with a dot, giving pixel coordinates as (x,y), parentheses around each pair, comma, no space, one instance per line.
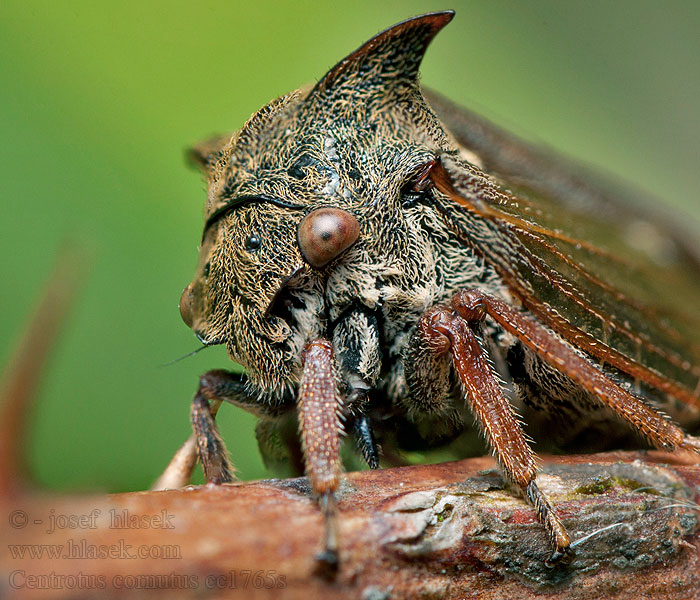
(615,279)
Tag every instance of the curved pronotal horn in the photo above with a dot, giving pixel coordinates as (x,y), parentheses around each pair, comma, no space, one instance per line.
(390,57)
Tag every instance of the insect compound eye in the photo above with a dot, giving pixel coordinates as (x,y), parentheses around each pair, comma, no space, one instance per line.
(186,306)
(325,233)
(252,242)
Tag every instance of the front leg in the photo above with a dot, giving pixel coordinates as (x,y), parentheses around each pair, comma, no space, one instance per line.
(210,447)
(444,331)
(318,409)
(205,443)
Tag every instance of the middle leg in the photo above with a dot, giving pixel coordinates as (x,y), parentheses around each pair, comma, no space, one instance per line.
(443,331)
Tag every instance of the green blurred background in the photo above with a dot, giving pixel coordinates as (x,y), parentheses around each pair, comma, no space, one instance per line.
(98,101)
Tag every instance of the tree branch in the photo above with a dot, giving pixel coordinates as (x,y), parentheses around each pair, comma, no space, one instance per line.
(448,530)
(440,531)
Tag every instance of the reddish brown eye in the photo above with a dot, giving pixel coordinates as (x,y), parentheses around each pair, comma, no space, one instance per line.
(186,306)
(325,233)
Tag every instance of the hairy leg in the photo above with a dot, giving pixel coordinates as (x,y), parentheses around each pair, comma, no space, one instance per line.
(474,305)
(318,407)
(364,436)
(210,447)
(205,443)
(444,331)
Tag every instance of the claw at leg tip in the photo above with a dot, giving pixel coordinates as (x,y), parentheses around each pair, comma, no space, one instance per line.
(327,563)
(560,556)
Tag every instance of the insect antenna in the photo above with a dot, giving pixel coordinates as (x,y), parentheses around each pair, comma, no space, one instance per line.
(597,531)
(681,504)
(184,356)
(690,505)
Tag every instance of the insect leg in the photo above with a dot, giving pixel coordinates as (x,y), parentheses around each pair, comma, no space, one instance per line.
(210,446)
(356,341)
(365,441)
(474,304)
(318,408)
(215,387)
(444,331)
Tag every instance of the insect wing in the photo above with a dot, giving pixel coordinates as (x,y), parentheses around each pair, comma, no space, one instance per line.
(616,282)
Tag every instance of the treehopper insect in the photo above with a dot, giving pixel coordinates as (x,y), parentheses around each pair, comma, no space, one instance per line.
(385,264)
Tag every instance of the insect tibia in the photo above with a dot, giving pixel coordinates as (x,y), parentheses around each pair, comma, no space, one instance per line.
(319,425)
(211,448)
(320,428)
(554,350)
(492,410)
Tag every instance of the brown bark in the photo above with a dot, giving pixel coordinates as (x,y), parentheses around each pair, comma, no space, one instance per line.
(449,530)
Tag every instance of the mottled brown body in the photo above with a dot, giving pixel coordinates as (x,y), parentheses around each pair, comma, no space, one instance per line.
(427,269)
